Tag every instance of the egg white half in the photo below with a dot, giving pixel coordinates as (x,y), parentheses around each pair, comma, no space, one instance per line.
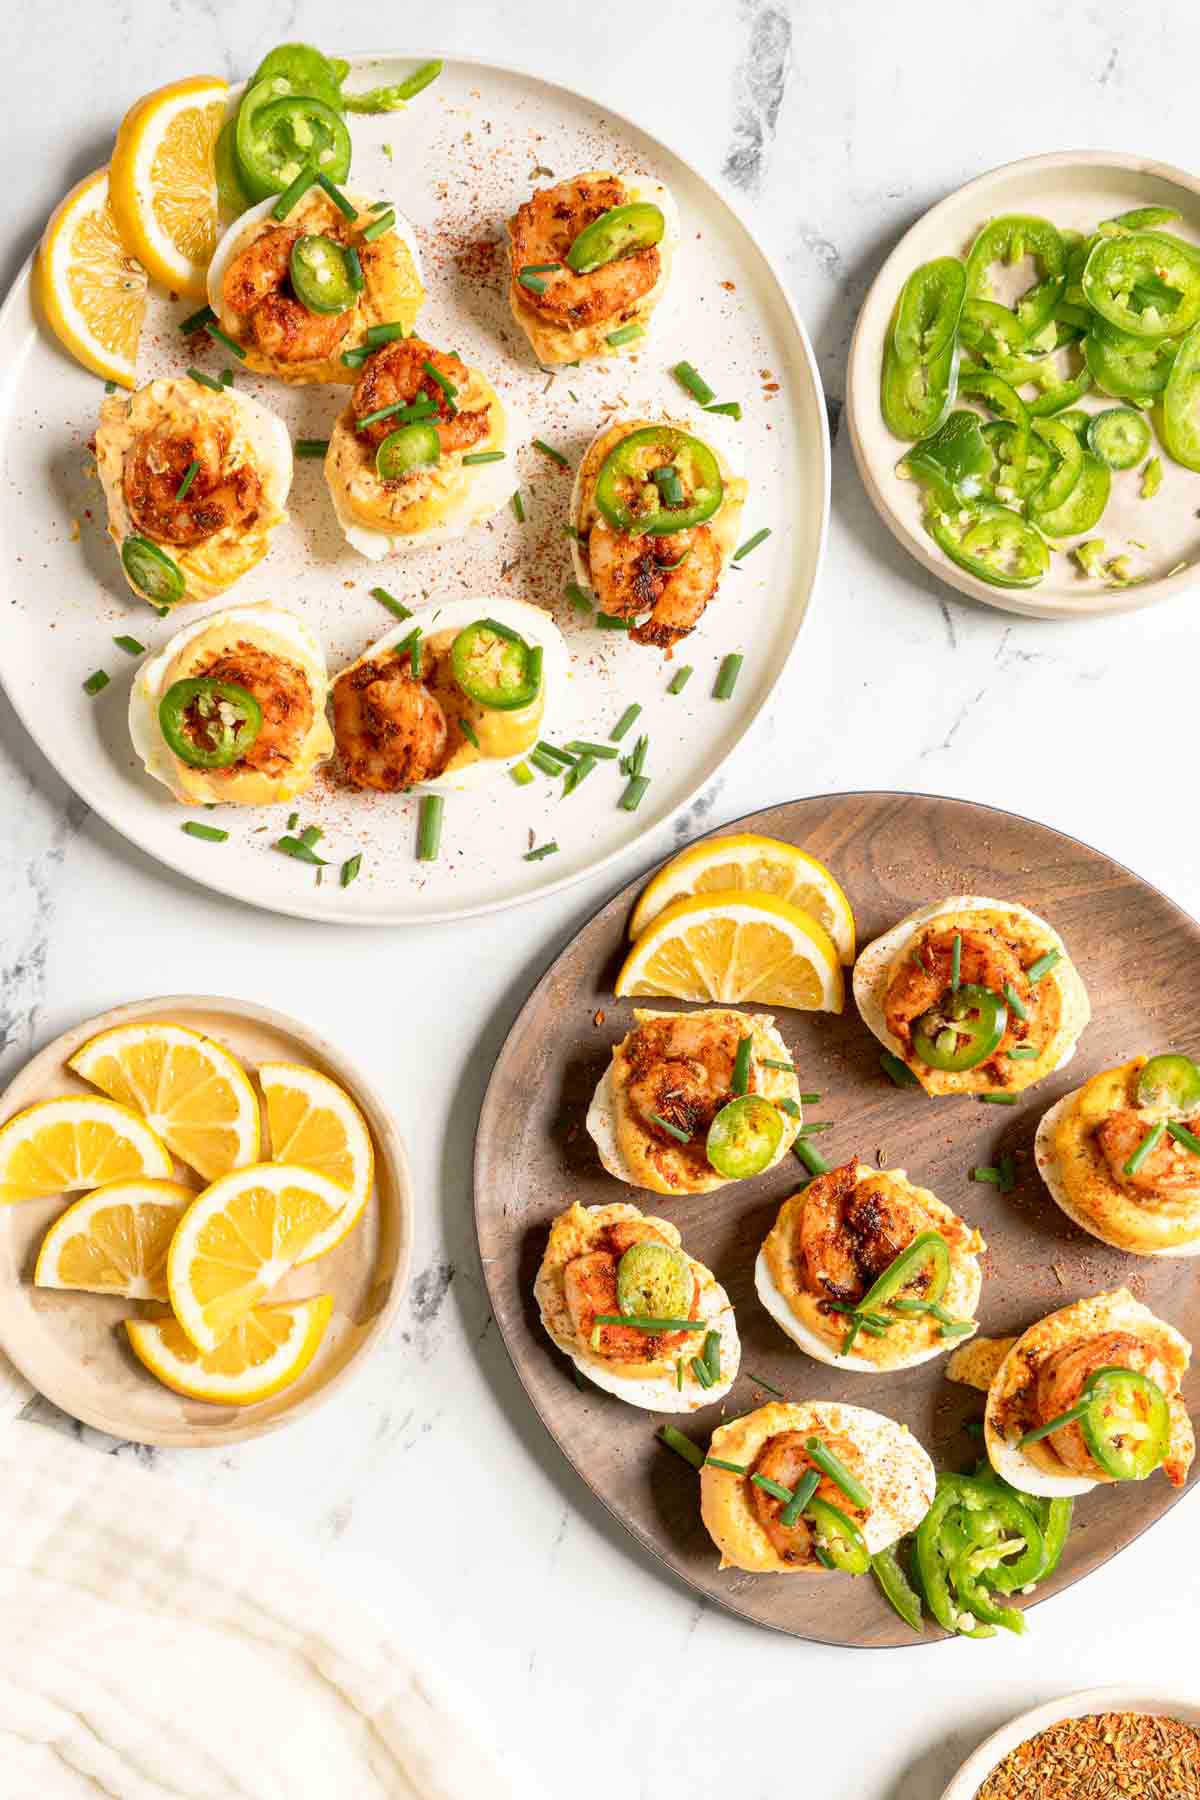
(1050,1169)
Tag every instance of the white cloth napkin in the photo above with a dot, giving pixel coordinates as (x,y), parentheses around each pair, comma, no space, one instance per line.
(154,1646)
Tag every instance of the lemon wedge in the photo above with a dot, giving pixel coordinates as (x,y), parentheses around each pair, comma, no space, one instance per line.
(92,290)
(115,1240)
(79,1141)
(761,864)
(735,947)
(196,1096)
(269,1350)
(314,1122)
(239,1238)
(163,180)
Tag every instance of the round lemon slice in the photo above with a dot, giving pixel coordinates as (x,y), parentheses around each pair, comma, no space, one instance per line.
(735,947)
(239,1238)
(163,180)
(90,287)
(192,1091)
(314,1122)
(761,864)
(269,1350)
(79,1141)
(115,1240)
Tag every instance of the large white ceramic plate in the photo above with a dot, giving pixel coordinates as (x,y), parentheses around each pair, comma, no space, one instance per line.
(1075,189)
(457,162)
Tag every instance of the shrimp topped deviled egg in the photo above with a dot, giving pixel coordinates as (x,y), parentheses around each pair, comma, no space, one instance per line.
(635,1313)
(196,480)
(591,258)
(423,451)
(654,520)
(300,282)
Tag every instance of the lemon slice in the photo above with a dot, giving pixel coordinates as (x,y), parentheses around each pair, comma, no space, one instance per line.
(315,1123)
(115,1240)
(164,183)
(92,290)
(764,865)
(735,947)
(76,1142)
(239,1238)
(194,1094)
(271,1347)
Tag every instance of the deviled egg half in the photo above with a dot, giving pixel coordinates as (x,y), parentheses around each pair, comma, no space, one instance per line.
(875,1484)
(590,260)
(612,1282)
(692,1101)
(655,512)
(974,995)
(1121,1156)
(233,709)
(866,1271)
(195,481)
(453,694)
(424,451)
(1088,1395)
(300,294)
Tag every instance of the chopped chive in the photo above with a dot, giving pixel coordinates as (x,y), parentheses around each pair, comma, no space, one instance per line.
(1183,1136)
(637,761)
(679,1374)
(956,963)
(429,835)
(700,1371)
(1008,1173)
(1042,966)
(96,682)
(130,646)
(712,1354)
(384,334)
(812,1159)
(752,543)
(336,195)
(540,268)
(549,450)
(999,1099)
(788,1106)
(293,821)
(631,799)
(637,1323)
(955,1327)
(838,1473)
(739,1081)
(354,359)
(897,1071)
(810,1099)
(610,622)
(378,226)
(469,732)
(354,269)
(805,1488)
(765,1385)
(534,283)
(518,506)
(727,678)
(817,1125)
(197,321)
(226,377)
(110,387)
(772,1062)
(294,192)
(776,1490)
(543,850)
(625,335)
(1067,1418)
(212,834)
(580,772)
(1016,1004)
(521,773)
(623,723)
(682,1446)
(349,869)
(482,456)
(730,408)
(205,380)
(312,834)
(223,337)
(415,655)
(986,1173)
(396,607)
(1023,1053)
(503,631)
(443,381)
(579,597)
(680,679)
(581,747)
(405,410)
(546,764)
(311,446)
(856,1325)
(695,384)
(1149,1142)
(300,851)
(716,1462)
(563,758)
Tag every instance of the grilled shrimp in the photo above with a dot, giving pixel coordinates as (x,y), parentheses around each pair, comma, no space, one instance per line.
(257,285)
(673,578)
(543,231)
(1169,1169)
(852,1230)
(216,496)
(784,1459)
(590,1285)
(390,730)
(681,1069)
(398,373)
(283,694)
(1060,1382)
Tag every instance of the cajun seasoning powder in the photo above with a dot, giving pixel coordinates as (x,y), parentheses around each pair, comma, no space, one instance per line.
(1106,1756)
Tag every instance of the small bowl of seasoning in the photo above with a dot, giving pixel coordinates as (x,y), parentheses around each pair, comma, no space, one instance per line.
(1106,1744)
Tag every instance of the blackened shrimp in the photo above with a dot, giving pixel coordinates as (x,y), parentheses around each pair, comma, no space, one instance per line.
(590,1286)
(400,374)
(681,1068)
(543,231)
(673,578)
(257,286)
(284,697)
(852,1230)
(390,730)
(215,496)
(784,1459)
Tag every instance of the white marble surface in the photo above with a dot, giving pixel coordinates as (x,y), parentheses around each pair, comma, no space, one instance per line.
(431,1487)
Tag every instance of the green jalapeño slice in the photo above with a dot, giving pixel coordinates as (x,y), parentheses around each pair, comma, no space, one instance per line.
(963,1031)
(838,1542)
(495,667)
(659,480)
(655,1281)
(1127,1423)
(152,572)
(1170,1083)
(209,724)
(617,233)
(402,452)
(278,133)
(744,1137)
(321,276)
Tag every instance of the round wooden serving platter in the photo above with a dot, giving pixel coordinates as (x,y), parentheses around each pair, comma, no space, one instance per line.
(1140,957)
(71,1346)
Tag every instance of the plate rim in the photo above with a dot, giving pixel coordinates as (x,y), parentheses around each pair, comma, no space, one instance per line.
(289,907)
(860,379)
(746,822)
(390,1149)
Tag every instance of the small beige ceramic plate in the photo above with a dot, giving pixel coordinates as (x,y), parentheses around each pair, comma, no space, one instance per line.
(993,1750)
(1075,189)
(71,1346)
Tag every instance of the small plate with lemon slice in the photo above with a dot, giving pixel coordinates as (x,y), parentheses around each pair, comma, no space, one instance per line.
(205,1220)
